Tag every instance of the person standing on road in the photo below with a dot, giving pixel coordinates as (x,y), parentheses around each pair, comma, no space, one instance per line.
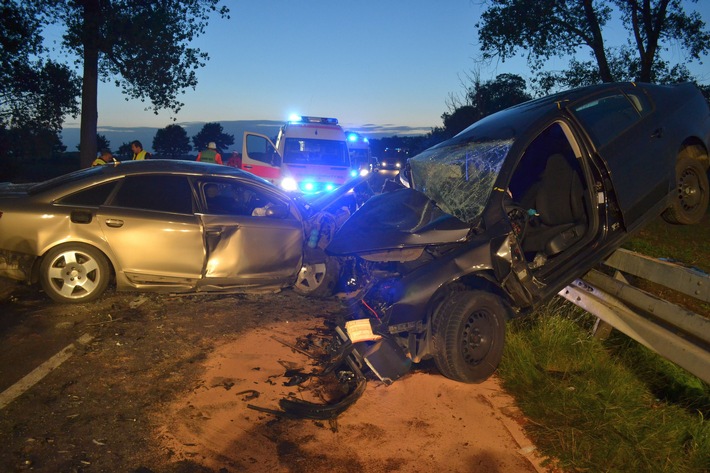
(138,152)
(210,155)
(105,158)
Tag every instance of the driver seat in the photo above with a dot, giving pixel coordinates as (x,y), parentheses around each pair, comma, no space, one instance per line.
(560,204)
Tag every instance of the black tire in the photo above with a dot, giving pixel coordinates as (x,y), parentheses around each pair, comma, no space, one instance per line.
(318,279)
(468,334)
(690,201)
(74,272)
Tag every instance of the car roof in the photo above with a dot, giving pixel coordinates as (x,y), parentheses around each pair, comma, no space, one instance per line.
(126,168)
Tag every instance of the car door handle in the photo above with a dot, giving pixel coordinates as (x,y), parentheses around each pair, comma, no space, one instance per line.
(657,133)
(114,222)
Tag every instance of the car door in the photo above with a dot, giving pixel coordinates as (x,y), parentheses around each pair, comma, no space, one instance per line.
(259,157)
(153,233)
(252,235)
(629,138)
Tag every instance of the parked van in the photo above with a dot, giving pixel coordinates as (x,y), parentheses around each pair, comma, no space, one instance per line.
(360,155)
(310,155)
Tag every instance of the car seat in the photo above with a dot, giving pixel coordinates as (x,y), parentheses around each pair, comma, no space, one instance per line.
(559,202)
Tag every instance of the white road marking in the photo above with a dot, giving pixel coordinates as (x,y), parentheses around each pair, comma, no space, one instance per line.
(36,375)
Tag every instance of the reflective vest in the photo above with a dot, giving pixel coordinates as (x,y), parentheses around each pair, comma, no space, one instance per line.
(140,155)
(208,156)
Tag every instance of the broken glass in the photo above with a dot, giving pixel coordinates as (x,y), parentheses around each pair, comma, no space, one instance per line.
(460,177)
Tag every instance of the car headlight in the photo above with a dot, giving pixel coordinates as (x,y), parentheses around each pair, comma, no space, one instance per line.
(289,184)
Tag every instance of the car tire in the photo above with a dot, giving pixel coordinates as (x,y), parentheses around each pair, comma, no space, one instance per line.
(318,279)
(468,334)
(690,199)
(74,272)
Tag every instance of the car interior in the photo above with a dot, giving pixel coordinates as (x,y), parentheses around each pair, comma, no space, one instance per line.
(549,198)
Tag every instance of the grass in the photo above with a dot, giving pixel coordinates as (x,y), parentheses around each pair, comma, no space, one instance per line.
(611,405)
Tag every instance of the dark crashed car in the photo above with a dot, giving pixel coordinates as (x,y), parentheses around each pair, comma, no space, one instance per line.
(170,226)
(504,215)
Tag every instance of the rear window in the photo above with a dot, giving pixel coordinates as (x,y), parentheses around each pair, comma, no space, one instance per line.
(162,193)
(607,117)
(91,197)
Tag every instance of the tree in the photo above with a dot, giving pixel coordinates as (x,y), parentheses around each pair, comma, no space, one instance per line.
(483,99)
(171,142)
(142,46)
(212,132)
(101,143)
(563,28)
(34,93)
(124,152)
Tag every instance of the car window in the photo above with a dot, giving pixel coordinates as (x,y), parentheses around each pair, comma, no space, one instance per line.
(163,193)
(92,197)
(607,117)
(229,197)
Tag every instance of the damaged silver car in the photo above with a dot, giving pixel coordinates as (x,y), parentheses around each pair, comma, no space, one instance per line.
(171,226)
(498,219)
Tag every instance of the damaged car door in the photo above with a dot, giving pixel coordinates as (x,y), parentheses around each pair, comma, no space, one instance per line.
(252,237)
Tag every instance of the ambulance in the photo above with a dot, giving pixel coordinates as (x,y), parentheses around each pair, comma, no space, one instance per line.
(310,155)
(360,154)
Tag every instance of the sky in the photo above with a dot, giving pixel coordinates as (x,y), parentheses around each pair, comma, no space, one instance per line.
(383,67)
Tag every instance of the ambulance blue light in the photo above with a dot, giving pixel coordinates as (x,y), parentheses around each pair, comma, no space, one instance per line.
(353,173)
(308,186)
(329,187)
(294,118)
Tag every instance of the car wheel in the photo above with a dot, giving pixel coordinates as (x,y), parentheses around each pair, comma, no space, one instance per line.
(318,279)
(468,333)
(690,201)
(74,273)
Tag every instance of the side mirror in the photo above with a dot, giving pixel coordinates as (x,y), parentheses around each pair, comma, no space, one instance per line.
(276,160)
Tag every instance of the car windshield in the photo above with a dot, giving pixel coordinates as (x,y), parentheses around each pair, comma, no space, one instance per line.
(460,177)
(311,151)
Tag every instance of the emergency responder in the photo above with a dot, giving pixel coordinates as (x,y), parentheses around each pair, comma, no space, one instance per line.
(105,158)
(210,155)
(138,152)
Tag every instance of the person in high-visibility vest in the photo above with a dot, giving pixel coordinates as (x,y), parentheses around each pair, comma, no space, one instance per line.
(138,152)
(105,158)
(210,155)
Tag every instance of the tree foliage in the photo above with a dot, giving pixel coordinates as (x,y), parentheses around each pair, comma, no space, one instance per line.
(212,132)
(562,28)
(144,47)
(171,142)
(35,93)
(482,99)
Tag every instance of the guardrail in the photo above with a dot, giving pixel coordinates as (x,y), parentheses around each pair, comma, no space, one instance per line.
(673,332)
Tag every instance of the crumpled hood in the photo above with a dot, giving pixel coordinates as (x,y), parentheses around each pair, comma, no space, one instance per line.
(399,219)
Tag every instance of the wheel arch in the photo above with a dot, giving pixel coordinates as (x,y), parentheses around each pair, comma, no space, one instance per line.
(694,148)
(481,280)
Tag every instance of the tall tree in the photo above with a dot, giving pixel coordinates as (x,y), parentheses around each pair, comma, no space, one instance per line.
(212,132)
(563,28)
(144,47)
(171,142)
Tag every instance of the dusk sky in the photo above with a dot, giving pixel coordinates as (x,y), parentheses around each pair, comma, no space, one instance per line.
(388,64)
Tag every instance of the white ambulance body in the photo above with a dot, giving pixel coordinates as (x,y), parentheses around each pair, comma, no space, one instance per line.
(310,155)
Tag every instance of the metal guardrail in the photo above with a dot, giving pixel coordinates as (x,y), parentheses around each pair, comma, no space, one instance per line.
(673,332)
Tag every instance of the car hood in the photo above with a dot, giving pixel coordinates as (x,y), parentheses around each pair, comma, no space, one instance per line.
(399,219)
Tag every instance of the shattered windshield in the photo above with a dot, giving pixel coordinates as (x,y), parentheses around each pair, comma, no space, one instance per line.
(460,177)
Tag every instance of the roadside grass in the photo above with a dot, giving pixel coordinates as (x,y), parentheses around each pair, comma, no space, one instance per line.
(613,405)
(603,406)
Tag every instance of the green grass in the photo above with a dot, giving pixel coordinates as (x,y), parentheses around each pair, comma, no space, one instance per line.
(613,405)
(603,406)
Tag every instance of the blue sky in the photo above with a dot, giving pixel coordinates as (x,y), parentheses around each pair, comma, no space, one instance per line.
(372,64)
